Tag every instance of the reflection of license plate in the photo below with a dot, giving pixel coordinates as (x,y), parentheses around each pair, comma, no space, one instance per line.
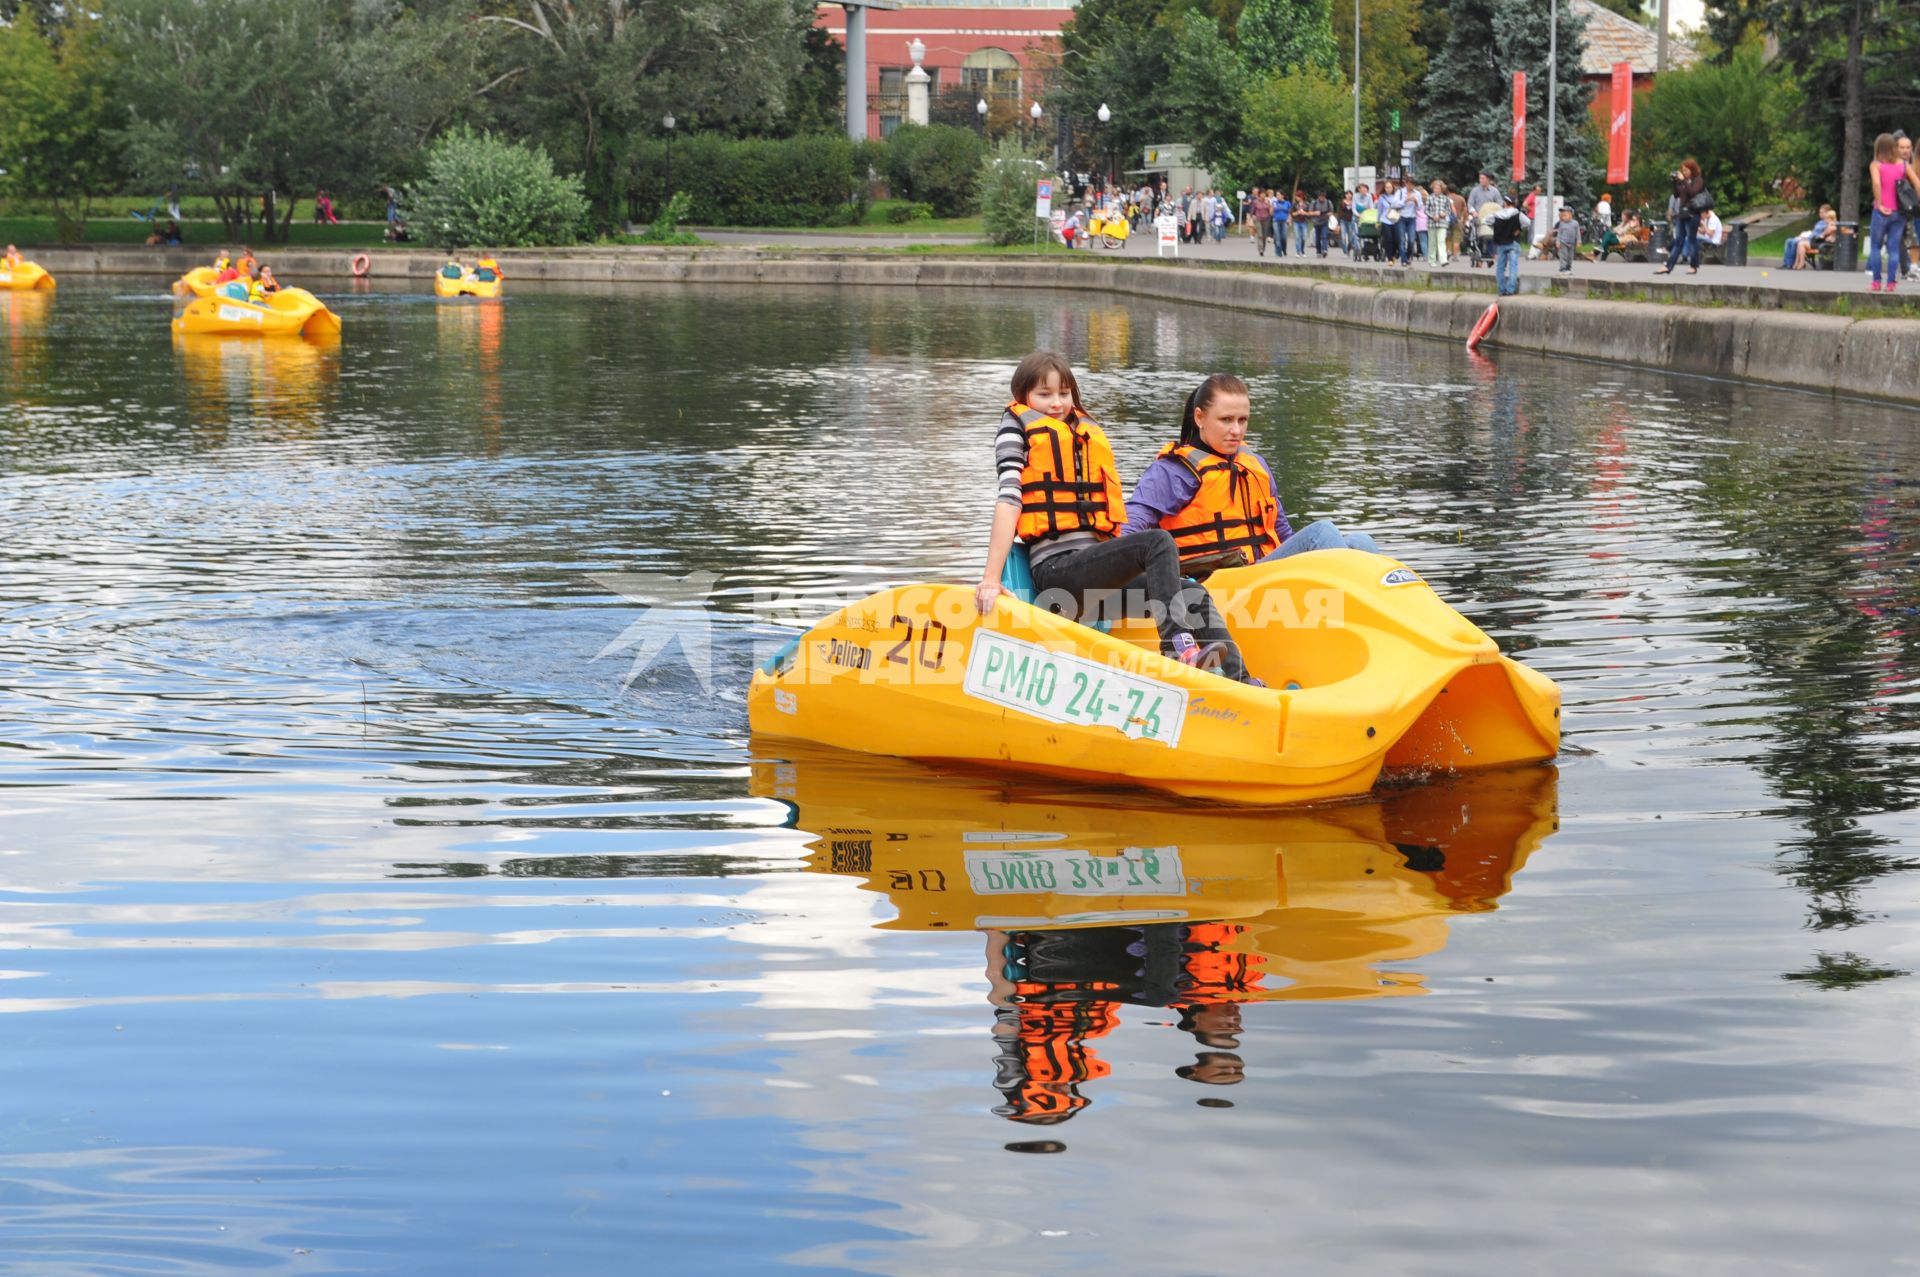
(1069,689)
(1151,871)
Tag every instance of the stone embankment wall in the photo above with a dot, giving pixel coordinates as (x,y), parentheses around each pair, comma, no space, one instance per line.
(1873,357)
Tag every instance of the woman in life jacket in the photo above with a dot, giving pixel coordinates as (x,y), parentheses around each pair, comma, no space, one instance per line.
(1217,496)
(12,258)
(264,287)
(1059,493)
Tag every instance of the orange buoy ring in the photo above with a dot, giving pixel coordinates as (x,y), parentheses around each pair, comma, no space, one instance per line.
(361,262)
(1485,326)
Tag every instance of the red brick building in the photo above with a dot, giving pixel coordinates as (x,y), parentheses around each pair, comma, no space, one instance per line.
(1612,38)
(974,53)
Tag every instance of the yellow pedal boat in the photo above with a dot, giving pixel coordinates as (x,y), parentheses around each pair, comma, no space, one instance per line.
(1366,669)
(197,282)
(25,276)
(1319,897)
(465,286)
(291,310)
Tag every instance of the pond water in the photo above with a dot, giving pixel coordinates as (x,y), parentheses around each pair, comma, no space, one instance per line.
(364,911)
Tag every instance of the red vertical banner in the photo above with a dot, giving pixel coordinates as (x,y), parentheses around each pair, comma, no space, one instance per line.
(1620,131)
(1519,126)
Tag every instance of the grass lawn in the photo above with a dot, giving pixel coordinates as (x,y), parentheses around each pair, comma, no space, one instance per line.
(39,231)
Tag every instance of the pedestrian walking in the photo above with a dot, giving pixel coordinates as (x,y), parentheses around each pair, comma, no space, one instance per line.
(1417,202)
(1282,219)
(1889,223)
(1322,214)
(1690,199)
(1566,238)
(1509,228)
(1260,220)
(1302,223)
(1439,212)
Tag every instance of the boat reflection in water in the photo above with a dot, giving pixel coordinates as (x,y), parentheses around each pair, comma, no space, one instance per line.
(1092,902)
(285,377)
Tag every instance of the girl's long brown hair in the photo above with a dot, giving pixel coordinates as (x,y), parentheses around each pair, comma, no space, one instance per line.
(1034,369)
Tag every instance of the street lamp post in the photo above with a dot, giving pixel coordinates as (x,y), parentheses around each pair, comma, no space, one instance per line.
(667,122)
(1356,94)
(980,109)
(1034,114)
(1105,117)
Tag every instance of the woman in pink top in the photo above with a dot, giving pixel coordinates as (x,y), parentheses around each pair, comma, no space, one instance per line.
(1887,222)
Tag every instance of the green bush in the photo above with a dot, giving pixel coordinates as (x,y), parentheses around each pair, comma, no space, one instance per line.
(936,164)
(1006,191)
(801,181)
(910,212)
(483,190)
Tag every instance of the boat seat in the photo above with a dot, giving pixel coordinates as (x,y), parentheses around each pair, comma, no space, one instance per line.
(1017,577)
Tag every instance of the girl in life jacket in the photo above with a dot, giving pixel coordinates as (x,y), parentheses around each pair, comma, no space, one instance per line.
(1217,496)
(1060,494)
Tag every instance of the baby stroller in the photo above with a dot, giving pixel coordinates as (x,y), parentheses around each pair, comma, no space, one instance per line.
(1366,230)
(1480,236)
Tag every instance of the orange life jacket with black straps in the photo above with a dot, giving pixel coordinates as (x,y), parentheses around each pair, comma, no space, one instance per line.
(1234,509)
(1070,483)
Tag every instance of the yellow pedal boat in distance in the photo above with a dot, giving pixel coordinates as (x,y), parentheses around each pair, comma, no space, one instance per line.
(1366,669)
(197,282)
(291,310)
(1316,897)
(465,286)
(26,275)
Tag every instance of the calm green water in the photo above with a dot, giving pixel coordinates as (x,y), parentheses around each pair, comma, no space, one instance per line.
(361,917)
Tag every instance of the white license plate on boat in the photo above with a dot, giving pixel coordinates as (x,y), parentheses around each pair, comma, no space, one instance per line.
(1152,871)
(1070,689)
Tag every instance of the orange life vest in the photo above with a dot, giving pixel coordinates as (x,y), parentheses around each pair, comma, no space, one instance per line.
(1234,509)
(1070,483)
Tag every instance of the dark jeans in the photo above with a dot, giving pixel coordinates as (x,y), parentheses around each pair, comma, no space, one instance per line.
(1146,565)
(1686,240)
(1280,237)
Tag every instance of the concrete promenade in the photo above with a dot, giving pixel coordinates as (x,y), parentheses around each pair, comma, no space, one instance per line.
(1239,251)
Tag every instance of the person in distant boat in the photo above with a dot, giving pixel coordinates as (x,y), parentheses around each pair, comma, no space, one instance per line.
(1217,496)
(486,270)
(264,287)
(13,258)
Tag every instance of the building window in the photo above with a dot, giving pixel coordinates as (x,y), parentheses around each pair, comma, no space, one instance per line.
(991,73)
(893,80)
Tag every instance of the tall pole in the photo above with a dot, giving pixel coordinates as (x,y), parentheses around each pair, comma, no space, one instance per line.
(856,71)
(1553,94)
(1660,50)
(1356,90)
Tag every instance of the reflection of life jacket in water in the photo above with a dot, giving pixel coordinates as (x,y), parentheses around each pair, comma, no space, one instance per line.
(1043,1054)
(1233,510)
(1212,970)
(1070,483)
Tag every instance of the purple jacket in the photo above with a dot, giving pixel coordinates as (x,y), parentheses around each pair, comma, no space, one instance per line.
(1168,486)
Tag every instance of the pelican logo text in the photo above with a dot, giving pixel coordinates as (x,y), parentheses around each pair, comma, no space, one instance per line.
(846,655)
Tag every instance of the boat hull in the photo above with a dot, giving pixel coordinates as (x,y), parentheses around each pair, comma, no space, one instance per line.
(291,310)
(1382,672)
(465,287)
(26,277)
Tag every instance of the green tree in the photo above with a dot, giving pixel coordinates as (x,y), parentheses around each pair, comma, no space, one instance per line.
(1206,81)
(586,75)
(1721,114)
(59,116)
(1467,125)
(1293,130)
(1279,35)
(937,164)
(242,100)
(480,190)
(1007,177)
(1392,63)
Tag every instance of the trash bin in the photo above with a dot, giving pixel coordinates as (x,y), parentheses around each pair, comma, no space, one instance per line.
(1662,236)
(1846,247)
(1734,251)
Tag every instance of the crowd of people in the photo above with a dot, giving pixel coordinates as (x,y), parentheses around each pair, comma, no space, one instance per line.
(242,277)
